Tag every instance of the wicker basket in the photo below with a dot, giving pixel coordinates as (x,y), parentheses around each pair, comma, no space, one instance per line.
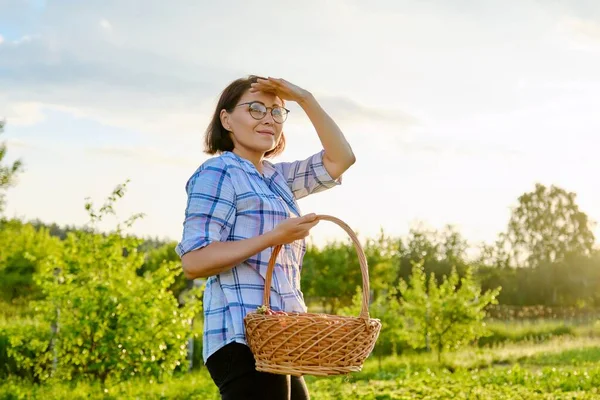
(312,344)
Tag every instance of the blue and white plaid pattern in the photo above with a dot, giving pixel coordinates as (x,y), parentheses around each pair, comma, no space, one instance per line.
(228,199)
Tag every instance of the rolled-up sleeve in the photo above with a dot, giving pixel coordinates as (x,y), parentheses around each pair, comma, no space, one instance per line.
(210,212)
(307,176)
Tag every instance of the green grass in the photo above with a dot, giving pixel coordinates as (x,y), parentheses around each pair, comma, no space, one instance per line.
(523,329)
(562,368)
(515,382)
(577,357)
(525,332)
(196,385)
(543,360)
(477,358)
(500,383)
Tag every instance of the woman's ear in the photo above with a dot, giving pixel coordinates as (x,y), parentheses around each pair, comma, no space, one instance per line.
(225,120)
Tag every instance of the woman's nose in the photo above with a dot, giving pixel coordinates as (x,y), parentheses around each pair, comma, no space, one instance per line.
(268,119)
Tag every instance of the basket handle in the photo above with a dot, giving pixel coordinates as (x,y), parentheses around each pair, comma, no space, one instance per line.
(364,313)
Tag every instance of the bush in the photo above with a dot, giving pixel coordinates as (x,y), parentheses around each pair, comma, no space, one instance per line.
(37,335)
(386,308)
(7,364)
(112,323)
(154,259)
(446,316)
(24,250)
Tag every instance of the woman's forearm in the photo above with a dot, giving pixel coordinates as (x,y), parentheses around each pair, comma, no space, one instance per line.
(219,257)
(338,155)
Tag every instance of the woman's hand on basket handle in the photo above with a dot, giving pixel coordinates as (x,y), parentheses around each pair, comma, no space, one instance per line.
(293,229)
(219,257)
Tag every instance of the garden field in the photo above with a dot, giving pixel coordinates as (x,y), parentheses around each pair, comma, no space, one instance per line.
(565,365)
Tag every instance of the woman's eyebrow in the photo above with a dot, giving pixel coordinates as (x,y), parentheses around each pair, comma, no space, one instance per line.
(273,105)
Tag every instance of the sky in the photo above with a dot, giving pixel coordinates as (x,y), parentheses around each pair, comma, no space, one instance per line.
(453,108)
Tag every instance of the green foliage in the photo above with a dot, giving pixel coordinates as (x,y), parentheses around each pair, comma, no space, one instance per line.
(447,316)
(587,356)
(573,281)
(387,309)
(546,226)
(438,251)
(331,275)
(27,349)
(569,374)
(24,250)
(8,174)
(197,385)
(8,365)
(392,337)
(110,322)
(382,257)
(155,257)
(57,230)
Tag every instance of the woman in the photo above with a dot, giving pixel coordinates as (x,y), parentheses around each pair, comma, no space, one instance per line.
(239,206)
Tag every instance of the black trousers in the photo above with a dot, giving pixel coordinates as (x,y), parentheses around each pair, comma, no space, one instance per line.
(232,368)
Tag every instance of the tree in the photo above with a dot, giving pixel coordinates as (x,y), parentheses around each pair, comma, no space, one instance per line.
(445,316)
(110,323)
(438,251)
(8,174)
(331,275)
(155,258)
(546,226)
(382,259)
(386,308)
(496,255)
(24,251)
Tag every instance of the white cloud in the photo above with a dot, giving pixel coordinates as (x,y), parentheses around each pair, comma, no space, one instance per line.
(25,39)
(137,89)
(106,25)
(145,154)
(581,34)
(21,113)
(1,39)
(349,110)
(437,97)
(12,143)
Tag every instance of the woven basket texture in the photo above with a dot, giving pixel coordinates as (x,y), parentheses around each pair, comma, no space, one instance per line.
(312,344)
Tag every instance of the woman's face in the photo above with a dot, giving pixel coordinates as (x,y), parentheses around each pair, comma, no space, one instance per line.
(249,133)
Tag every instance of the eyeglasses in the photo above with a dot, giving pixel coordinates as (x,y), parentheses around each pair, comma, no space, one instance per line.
(258,111)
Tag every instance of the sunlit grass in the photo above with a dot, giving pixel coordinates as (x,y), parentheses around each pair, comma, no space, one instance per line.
(472,357)
(537,361)
(559,369)
(577,357)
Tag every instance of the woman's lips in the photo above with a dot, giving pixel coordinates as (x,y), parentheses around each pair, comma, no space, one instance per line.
(263,132)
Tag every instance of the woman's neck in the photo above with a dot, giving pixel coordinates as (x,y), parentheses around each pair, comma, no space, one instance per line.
(254,157)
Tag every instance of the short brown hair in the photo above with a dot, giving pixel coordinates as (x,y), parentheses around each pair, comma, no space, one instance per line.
(217,139)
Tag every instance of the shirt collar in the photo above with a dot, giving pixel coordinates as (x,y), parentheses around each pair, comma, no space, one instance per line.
(270,174)
(268,168)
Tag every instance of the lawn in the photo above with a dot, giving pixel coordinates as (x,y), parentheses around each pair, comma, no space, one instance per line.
(559,368)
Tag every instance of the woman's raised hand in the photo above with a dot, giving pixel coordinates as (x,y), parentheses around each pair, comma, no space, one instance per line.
(281,88)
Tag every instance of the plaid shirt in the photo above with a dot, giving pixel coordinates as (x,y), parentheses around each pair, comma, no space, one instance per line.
(228,199)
